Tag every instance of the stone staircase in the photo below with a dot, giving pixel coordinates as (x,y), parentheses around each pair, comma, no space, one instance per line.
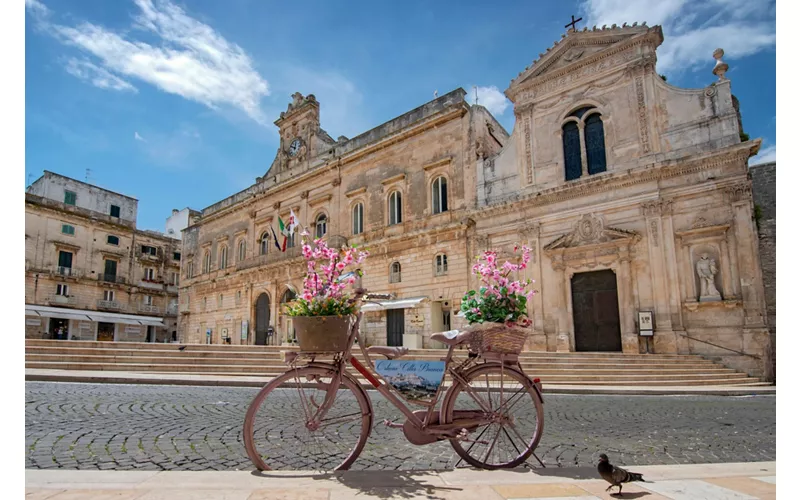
(575,368)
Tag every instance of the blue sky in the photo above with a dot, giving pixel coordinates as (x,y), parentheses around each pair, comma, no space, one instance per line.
(173,103)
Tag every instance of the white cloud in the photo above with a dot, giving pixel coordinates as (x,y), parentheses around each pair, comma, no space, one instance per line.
(766,154)
(138,137)
(37,8)
(188,58)
(99,77)
(740,27)
(489,97)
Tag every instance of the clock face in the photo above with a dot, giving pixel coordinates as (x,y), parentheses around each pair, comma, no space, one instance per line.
(294,147)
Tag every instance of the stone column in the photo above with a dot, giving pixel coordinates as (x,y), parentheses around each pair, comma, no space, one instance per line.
(562,289)
(630,338)
(747,252)
(663,337)
(537,340)
(672,262)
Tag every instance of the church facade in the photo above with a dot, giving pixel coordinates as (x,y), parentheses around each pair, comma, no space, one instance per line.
(632,193)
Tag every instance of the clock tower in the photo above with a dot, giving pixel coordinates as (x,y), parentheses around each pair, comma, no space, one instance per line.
(301,138)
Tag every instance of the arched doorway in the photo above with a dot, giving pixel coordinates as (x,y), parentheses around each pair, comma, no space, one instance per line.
(288,296)
(262,319)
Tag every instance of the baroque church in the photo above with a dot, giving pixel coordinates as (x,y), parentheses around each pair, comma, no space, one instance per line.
(633,194)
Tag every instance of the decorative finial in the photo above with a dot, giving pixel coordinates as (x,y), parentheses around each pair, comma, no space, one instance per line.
(635,24)
(594,28)
(604,27)
(613,26)
(721,67)
(644,23)
(624,25)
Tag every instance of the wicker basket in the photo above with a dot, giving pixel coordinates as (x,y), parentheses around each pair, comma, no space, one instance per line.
(323,334)
(497,338)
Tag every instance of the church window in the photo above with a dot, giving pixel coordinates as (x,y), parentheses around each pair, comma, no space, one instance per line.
(595,144)
(584,143)
(572,150)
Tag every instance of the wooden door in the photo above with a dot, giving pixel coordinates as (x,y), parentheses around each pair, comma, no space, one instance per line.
(595,311)
(395,327)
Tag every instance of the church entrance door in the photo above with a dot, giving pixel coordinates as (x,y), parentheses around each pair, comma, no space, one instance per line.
(595,311)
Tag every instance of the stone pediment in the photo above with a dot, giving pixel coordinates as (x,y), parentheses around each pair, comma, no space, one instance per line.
(590,230)
(577,47)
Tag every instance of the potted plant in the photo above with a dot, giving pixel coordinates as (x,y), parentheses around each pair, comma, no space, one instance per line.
(324,311)
(497,312)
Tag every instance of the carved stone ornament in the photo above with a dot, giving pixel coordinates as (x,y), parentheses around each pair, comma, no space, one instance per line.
(590,230)
(740,192)
(304,195)
(706,270)
(276,205)
(657,207)
(336,182)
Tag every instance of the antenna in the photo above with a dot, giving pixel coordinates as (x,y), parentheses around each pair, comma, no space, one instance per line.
(29,178)
(88,173)
(476,94)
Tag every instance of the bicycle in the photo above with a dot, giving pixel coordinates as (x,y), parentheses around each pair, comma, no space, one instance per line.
(337,412)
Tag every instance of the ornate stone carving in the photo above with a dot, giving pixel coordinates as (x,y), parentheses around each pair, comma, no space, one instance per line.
(706,270)
(740,192)
(654,232)
(590,230)
(276,205)
(528,162)
(553,84)
(656,207)
(711,91)
(336,182)
(644,135)
(304,195)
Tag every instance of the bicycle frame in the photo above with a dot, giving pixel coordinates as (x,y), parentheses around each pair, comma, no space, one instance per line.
(428,425)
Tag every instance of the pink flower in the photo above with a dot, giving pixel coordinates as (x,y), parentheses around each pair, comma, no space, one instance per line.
(340,266)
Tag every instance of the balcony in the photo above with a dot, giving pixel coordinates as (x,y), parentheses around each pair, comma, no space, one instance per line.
(274,255)
(68,271)
(111,278)
(184,308)
(172,289)
(149,309)
(172,310)
(62,300)
(152,284)
(110,304)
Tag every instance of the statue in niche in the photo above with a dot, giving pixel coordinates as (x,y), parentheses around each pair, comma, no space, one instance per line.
(706,270)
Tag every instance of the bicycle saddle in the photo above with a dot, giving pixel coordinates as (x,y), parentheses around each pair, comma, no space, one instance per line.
(389,352)
(452,337)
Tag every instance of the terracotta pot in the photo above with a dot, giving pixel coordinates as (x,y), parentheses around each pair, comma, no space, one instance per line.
(322,333)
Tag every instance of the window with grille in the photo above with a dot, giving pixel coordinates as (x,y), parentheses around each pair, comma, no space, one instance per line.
(358,218)
(395,208)
(441,264)
(394,273)
(439,195)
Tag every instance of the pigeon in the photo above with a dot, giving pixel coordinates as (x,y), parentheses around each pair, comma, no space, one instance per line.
(615,475)
(181,347)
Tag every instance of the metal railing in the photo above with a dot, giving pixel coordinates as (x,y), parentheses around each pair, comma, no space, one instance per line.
(274,255)
(109,304)
(110,278)
(64,300)
(67,271)
(150,309)
(721,347)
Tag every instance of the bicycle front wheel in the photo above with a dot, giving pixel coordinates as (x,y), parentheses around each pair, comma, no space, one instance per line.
(506,400)
(278,429)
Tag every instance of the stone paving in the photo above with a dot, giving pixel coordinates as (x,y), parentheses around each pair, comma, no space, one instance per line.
(130,427)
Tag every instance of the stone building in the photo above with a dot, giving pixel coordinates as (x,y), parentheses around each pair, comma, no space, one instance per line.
(764,198)
(89,272)
(633,194)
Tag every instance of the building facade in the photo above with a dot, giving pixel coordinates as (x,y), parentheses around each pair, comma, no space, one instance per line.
(89,273)
(632,193)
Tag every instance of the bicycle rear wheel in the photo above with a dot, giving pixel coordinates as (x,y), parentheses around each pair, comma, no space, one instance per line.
(508,400)
(277,434)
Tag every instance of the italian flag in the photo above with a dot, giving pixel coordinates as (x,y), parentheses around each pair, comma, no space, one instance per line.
(284,232)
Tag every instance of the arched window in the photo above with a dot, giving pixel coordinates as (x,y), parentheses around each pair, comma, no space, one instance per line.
(584,143)
(395,208)
(394,273)
(321,225)
(263,243)
(242,250)
(207,262)
(439,195)
(595,144)
(288,296)
(572,150)
(223,257)
(440,267)
(190,269)
(358,218)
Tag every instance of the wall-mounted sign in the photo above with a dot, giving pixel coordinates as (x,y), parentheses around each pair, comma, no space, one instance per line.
(646,325)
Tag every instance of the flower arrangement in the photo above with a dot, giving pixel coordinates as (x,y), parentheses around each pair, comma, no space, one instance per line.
(500,299)
(324,290)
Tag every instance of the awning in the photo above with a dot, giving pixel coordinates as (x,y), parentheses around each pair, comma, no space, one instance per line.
(86,315)
(392,304)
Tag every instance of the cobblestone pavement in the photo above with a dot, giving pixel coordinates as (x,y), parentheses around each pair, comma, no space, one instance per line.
(129,427)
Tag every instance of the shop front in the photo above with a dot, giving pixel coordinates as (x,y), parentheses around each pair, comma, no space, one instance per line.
(75,324)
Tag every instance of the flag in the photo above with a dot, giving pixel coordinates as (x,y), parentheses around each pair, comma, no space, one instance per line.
(292,221)
(275,238)
(281,226)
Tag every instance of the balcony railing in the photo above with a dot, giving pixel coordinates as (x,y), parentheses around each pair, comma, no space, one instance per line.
(68,271)
(172,310)
(109,304)
(152,285)
(110,278)
(184,308)
(172,289)
(275,255)
(62,300)
(150,309)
